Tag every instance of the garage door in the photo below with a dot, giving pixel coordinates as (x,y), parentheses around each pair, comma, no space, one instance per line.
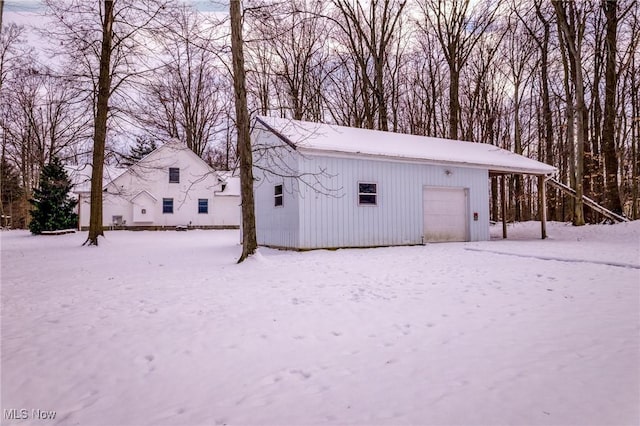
(445,214)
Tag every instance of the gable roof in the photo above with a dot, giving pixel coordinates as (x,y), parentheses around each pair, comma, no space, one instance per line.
(144,192)
(80,176)
(330,139)
(176,146)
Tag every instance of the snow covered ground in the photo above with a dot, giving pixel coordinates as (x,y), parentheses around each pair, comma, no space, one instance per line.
(163,328)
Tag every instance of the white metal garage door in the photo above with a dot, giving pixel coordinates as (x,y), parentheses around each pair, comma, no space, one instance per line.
(445,214)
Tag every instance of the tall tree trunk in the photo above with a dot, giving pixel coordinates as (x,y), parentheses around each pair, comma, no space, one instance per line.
(547,115)
(612,194)
(635,141)
(3,164)
(517,136)
(572,34)
(100,126)
(454,101)
(249,239)
(383,120)
(569,151)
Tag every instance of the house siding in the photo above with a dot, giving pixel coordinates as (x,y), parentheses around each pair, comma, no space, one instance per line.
(276,226)
(122,196)
(225,210)
(336,220)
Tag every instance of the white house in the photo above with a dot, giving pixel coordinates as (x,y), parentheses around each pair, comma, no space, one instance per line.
(169,187)
(326,186)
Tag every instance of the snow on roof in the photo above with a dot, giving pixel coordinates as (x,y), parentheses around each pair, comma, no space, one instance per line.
(326,138)
(232,185)
(80,176)
(225,174)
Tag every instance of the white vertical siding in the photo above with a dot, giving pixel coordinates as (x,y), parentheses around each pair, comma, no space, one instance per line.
(275,226)
(336,219)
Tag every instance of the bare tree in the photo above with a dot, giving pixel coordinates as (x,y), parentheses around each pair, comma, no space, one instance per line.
(102,46)
(184,98)
(571,24)
(290,38)
(458,26)
(520,48)
(100,125)
(40,116)
(249,239)
(370,33)
(608,134)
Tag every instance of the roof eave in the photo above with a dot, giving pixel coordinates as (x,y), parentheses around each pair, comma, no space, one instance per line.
(496,169)
(278,134)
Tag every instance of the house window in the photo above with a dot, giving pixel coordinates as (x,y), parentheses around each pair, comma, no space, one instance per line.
(367,194)
(167,205)
(174,175)
(278,197)
(203,205)
(144,211)
(116,220)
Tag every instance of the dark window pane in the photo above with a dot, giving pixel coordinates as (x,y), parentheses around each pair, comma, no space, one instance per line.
(203,205)
(279,198)
(367,188)
(167,205)
(367,199)
(174,175)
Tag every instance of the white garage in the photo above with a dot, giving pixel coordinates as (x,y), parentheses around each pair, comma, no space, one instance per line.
(446,214)
(325,186)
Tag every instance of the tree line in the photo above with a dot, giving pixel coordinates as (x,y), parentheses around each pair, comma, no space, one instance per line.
(556,81)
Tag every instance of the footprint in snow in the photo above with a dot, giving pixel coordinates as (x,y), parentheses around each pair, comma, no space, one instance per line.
(302,374)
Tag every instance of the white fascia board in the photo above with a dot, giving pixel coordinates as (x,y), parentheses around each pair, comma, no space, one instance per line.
(376,157)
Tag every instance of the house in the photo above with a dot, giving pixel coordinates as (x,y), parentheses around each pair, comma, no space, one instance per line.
(326,186)
(169,187)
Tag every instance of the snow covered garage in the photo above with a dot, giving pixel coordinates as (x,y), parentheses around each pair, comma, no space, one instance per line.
(326,186)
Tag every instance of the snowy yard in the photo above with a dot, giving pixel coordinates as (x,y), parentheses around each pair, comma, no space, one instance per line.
(163,328)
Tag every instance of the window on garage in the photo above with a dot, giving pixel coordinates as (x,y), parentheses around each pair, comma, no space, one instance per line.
(367,194)
(278,196)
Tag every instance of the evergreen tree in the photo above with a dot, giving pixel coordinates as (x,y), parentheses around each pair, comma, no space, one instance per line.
(53,209)
(142,147)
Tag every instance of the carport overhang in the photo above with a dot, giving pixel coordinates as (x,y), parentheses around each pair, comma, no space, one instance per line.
(542,196)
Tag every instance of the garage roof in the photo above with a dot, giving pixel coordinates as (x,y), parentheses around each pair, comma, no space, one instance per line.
(339,140)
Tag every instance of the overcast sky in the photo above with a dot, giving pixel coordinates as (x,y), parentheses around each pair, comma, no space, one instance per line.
(22,5)
(36,5)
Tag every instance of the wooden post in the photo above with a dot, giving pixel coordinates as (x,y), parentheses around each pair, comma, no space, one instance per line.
(504,206)
(542,205)
(79,210)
